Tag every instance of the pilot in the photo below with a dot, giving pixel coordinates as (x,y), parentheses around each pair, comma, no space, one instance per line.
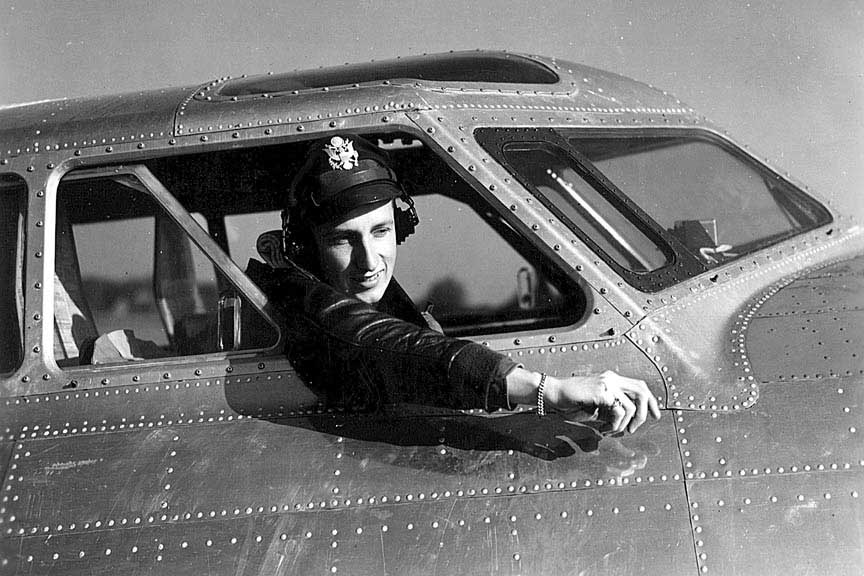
(350,321)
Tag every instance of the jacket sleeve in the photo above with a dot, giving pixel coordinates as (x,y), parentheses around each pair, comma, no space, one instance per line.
(400,360)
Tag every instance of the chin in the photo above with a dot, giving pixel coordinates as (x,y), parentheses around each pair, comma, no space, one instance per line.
(370,297)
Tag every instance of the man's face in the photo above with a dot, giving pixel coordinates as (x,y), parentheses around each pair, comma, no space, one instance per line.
(358,252)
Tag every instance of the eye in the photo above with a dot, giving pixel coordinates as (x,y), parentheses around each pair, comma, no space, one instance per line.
(336,241)
(382,231)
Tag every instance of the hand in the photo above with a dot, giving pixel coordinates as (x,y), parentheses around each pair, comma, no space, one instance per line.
(627,400)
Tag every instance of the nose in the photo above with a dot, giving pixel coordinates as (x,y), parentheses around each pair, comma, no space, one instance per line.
(365,256)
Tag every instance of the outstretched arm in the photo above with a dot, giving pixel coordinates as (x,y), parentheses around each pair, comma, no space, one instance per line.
(422,364)
(628,400)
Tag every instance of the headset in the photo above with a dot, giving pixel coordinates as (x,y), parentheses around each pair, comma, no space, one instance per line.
(299,246)
(336,172)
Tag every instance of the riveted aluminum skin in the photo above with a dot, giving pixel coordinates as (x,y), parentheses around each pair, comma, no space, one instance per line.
(86,122)
(301,461)
(535,534)
(227,463)
(796,524)
(812,328)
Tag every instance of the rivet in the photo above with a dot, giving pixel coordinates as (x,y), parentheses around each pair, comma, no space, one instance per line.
(109,149)
(140,145)
(268,131)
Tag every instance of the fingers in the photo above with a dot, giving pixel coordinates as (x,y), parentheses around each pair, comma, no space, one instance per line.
(641,414)
(623,410)
(635,399)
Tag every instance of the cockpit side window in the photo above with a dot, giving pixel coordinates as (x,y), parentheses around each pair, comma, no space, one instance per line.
(465,264)
(659,205)
(13,196)
(717,203)
(131,285)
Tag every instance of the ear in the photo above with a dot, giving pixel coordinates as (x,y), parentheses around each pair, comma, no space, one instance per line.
(269,246)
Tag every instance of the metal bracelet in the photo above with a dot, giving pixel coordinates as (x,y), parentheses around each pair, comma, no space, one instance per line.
(541,408)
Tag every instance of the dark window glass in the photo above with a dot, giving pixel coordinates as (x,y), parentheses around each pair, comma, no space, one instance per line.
(719,204)
(131,285)
(456,67)
(561,183)
(13,195)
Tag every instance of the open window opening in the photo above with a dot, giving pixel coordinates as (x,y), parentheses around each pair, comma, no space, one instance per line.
(465,264)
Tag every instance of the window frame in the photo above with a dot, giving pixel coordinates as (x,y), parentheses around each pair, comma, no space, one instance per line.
(149,184)
(14,185)
(681,264)
(701,135)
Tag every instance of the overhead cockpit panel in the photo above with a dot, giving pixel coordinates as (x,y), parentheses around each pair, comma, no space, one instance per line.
(492,67)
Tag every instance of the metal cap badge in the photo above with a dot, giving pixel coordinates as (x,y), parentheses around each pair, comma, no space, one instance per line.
(342,173)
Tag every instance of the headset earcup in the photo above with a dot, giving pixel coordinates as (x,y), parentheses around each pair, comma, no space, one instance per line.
(406,219)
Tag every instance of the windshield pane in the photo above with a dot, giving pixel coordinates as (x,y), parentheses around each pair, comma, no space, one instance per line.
(718,204)
(562,183)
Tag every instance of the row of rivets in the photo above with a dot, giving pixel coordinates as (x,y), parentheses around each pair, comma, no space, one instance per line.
(783,500)
(249,510)
(723,461)
(332,535)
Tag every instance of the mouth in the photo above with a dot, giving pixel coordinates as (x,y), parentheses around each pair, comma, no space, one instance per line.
(368,281)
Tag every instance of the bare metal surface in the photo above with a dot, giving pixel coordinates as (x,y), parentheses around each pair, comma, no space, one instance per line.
(808,346)
(818,294)
(87,122)
(5,457)
(795,525)
(813,328)
(306,463)
(588,532)
(795,427)
(838,287)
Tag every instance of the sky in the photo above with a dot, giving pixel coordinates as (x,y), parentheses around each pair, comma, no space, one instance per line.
(784,77)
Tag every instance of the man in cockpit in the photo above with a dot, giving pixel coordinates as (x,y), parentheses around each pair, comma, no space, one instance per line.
(353,332)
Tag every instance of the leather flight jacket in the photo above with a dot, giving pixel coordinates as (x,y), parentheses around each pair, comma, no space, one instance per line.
(361,357)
